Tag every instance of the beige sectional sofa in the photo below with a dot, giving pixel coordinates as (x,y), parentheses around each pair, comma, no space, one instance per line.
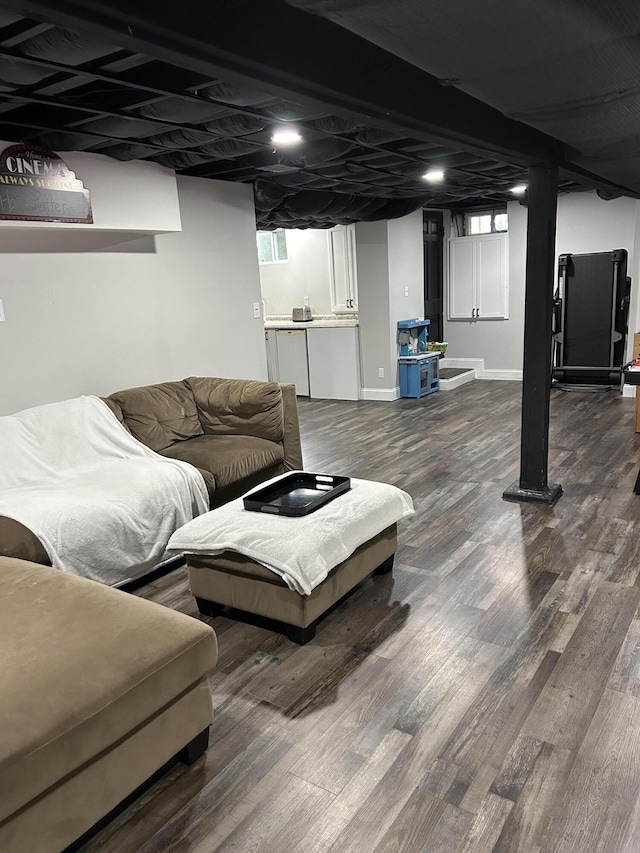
(100,689)
(236,432)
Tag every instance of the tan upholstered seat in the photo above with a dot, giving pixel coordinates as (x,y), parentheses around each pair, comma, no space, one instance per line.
(230,458)
(84,669)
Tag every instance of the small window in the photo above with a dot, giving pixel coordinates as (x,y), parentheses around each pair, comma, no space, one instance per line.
(480,224)
(486,222)
(500,222)
(272,246)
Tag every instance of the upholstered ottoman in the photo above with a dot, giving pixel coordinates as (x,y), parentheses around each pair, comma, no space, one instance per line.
(236,581)
(291,570)
(98,690)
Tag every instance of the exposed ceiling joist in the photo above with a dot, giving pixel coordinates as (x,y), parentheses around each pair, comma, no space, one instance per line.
(286,48)
(202,90)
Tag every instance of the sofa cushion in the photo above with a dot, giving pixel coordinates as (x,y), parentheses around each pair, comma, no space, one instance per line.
(238,407)
(207,476)
(158,415)
(229,458)
(83,665)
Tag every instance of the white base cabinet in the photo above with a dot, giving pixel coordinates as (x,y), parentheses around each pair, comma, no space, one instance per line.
(273,371)
(334,363)
(291,345)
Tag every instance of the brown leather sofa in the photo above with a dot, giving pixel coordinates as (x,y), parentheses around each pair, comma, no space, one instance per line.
(236,432)
(100,689)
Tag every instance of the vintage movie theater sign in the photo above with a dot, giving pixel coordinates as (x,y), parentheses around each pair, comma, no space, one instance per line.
(37,185)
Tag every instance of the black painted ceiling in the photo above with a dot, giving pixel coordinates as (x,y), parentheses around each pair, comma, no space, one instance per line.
(78,83)
(570,68)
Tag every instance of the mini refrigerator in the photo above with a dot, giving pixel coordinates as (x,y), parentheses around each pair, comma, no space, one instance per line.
(293,366)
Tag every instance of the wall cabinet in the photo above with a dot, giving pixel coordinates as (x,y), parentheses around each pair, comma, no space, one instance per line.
(478,278)
(342,269)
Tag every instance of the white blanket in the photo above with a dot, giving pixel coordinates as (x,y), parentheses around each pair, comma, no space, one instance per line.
(301,550)
(102,503)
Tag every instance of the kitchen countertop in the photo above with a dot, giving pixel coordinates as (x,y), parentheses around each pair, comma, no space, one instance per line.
(320,322)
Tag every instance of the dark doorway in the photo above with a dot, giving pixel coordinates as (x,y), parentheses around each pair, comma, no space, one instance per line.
(432,237)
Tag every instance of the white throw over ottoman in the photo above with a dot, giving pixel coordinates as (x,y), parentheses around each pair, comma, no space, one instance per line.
(288,569)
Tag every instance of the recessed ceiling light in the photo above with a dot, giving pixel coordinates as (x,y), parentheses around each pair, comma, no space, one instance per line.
(286,137)
(519,189)
(434,176)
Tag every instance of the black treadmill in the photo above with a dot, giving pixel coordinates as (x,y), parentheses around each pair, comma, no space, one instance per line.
(591,307)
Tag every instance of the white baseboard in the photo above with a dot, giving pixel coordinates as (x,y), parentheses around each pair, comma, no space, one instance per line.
(384,395)
(508,375)
(477,364)
(388,395)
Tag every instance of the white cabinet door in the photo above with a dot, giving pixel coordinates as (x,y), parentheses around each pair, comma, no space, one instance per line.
(292,359)
(491,277)
(334,363)
(462,274)
(478,276)
(273,371)
(352,268)
(342,269)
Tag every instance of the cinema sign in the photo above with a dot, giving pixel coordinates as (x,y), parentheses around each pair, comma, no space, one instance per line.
(36,185)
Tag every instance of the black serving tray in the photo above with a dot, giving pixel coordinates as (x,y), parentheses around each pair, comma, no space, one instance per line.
(297,494)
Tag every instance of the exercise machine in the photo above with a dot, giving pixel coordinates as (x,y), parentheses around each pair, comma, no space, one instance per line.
(590,312)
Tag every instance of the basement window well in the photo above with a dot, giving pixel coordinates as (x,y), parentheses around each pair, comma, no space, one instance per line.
(272,246)
(486,222)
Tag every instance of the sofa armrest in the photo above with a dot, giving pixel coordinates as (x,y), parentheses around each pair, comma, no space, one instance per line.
(16,540)
(116,408)
(291,442)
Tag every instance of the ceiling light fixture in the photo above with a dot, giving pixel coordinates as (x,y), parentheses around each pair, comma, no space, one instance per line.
(286,137)
(434,176)
(520,189)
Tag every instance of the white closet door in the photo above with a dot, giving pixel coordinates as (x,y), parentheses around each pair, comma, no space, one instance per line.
(462,270)
(491,277)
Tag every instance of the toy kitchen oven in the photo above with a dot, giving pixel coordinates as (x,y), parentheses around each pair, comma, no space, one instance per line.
(419,370)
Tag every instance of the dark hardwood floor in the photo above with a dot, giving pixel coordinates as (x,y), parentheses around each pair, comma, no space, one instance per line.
(485,697)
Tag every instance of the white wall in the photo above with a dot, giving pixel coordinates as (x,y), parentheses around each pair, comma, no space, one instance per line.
(390,258)
(160,309)
(406,273)
(585,223)
(372,260)
(306,273)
